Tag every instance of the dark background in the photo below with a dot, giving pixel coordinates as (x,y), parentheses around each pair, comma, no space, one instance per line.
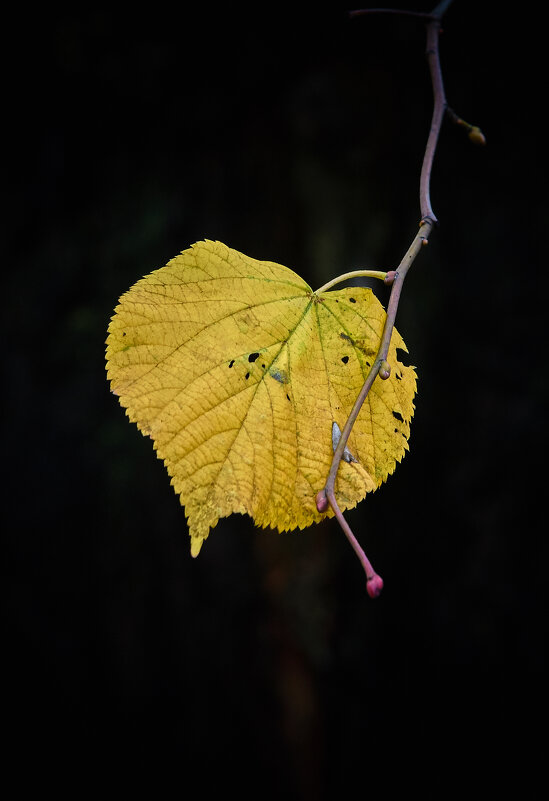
(262,667)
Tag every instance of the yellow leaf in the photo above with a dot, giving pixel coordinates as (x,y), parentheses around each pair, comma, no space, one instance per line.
(237,371)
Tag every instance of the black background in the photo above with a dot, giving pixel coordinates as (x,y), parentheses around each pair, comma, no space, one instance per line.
(262,667)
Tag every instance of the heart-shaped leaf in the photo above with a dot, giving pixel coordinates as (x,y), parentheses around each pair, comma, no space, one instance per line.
(237,371)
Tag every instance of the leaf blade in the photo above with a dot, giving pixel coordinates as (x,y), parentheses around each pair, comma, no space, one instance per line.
(237,371)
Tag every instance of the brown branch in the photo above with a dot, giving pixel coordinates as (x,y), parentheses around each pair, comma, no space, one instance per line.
(374,583)
(397,11)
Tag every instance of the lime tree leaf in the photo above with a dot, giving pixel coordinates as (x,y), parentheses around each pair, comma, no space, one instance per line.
(237,371)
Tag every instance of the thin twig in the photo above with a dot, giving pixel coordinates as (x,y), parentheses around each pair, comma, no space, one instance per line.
(439,108)
(374,582)
(400,11)
(436,14)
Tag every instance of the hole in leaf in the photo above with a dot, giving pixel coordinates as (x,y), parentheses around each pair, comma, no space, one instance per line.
(352,300)
(398,416)
(263,366)
(403,357)
(252,357)
(287,396)
(248,375)
(231,363)
(344,359)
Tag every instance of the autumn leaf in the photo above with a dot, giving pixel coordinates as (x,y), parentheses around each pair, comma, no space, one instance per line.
(238,371)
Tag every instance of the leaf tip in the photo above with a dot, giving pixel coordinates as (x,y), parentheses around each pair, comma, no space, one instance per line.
(196,545)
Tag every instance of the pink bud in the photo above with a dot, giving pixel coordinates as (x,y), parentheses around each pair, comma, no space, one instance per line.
(374,585)
(321,501)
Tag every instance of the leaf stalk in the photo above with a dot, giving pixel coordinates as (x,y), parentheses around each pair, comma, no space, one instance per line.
(353,274)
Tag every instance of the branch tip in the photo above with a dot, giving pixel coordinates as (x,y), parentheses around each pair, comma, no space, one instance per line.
(476,136)
(374,585)
(473,131)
